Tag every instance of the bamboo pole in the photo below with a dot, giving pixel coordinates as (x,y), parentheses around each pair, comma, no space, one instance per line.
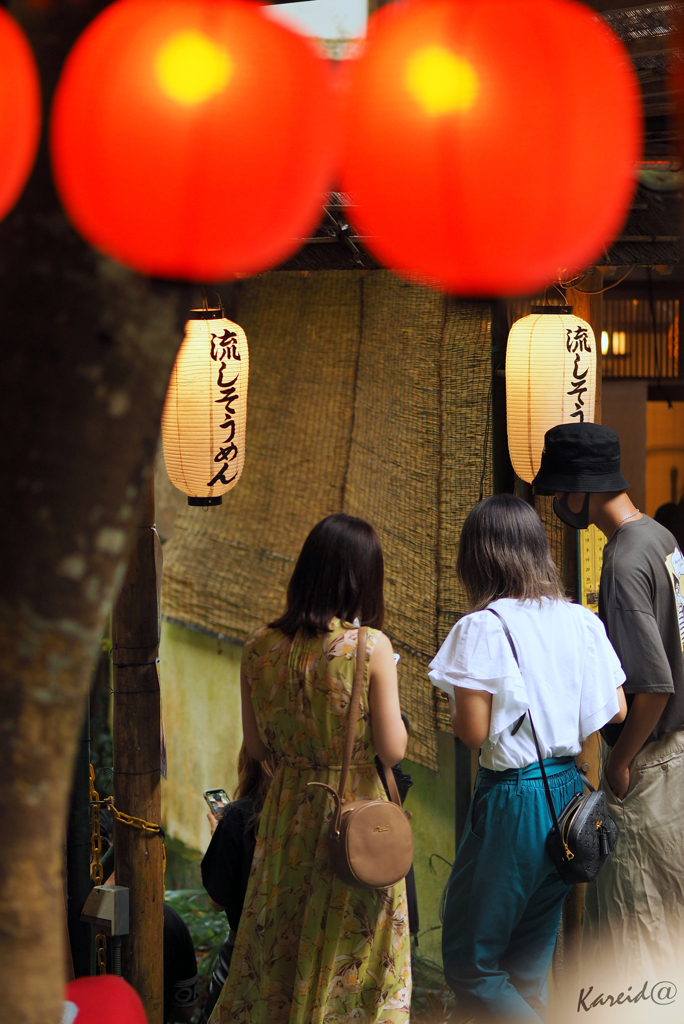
(590,308)
(503,477)
(137,762)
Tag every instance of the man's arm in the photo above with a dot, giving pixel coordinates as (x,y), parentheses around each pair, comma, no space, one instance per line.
(642,717)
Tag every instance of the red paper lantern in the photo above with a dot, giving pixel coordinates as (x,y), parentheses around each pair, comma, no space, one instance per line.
(190,138)
(489,144)
(105,999)
(19,111)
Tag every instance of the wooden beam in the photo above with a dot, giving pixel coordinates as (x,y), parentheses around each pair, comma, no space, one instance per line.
(620,7)
(655,88)
(664,109)
(650,46)
(656,97)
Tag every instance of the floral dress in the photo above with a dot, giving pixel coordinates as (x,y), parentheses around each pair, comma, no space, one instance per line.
(310,949)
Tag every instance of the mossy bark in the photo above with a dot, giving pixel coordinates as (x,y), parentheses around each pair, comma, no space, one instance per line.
(87,349)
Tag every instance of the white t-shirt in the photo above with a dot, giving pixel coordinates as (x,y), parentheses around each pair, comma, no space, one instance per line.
(568,676)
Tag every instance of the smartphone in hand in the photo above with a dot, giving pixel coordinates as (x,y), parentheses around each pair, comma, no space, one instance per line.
(217,800)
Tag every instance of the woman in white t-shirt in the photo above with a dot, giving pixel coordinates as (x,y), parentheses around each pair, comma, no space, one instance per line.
(505,895)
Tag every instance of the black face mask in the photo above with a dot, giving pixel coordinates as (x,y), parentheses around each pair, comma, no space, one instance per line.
(580,520)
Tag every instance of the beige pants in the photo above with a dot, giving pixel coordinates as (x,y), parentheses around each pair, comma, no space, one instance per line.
(634,912)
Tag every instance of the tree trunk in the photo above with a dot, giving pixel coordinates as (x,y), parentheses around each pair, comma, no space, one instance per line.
(87,349)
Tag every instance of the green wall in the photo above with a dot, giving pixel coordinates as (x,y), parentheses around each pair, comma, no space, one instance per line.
(200,686)
(200,681)
(431,802)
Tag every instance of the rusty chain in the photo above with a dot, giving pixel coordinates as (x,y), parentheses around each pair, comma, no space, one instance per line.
(101,951)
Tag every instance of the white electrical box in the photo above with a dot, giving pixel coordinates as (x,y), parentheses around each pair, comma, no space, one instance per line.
(107,909)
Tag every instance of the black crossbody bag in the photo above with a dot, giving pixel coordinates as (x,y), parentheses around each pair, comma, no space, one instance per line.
(583,835)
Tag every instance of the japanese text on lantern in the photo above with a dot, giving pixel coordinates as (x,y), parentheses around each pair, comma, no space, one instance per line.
(577,345)
(224,351)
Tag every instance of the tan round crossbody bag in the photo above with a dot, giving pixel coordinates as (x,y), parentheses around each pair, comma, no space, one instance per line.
(370,841)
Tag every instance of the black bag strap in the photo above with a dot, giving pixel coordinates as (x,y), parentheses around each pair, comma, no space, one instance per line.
(520,721)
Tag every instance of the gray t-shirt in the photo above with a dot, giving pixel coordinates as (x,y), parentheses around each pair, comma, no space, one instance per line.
(641,603)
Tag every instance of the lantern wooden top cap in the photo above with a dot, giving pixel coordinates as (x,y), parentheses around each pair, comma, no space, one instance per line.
(207,314)
(554,310)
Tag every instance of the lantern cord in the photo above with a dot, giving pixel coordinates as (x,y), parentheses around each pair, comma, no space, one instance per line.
(560,289)
(205,299)
(570,283)
(600,291)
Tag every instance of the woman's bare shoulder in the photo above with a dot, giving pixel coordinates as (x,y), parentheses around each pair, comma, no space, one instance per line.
(380,640)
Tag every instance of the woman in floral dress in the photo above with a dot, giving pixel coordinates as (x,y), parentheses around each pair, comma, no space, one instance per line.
(310,949)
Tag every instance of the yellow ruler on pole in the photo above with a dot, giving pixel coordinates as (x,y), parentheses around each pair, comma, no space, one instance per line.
(591,543)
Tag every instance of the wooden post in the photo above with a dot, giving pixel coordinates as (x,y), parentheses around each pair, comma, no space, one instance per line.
(137,762)
(78,857)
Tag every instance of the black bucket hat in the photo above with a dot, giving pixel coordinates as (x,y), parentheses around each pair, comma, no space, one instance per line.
(580,457)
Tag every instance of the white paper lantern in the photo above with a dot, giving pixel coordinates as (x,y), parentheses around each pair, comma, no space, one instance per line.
(205,414)
(550,379)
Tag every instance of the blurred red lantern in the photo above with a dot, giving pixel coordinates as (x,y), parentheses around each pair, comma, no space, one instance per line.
(190,138)
(105,999)
(489,144)
(19,111)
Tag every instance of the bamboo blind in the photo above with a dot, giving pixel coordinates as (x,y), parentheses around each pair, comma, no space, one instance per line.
(370,396)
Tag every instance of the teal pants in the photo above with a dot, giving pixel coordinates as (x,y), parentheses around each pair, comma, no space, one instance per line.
(504,894)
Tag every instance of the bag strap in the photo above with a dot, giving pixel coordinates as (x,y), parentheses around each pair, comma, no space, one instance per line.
(554,816)
(354,707)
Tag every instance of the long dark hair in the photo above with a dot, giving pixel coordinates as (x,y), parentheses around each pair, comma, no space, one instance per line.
(254,777)
(339,572)
(503,552)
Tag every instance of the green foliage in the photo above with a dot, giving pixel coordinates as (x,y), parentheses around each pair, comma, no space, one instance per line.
(182,865)
(100,724)
(432,1001)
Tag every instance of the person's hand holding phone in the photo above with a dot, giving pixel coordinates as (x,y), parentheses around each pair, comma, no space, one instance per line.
(216,800)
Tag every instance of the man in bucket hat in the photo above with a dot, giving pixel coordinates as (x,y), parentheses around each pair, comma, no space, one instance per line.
(635,912)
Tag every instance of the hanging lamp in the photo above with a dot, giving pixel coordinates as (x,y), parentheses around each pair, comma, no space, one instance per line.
(19,111)
(550,379)
(205,413)
(190,139)
(477,155)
